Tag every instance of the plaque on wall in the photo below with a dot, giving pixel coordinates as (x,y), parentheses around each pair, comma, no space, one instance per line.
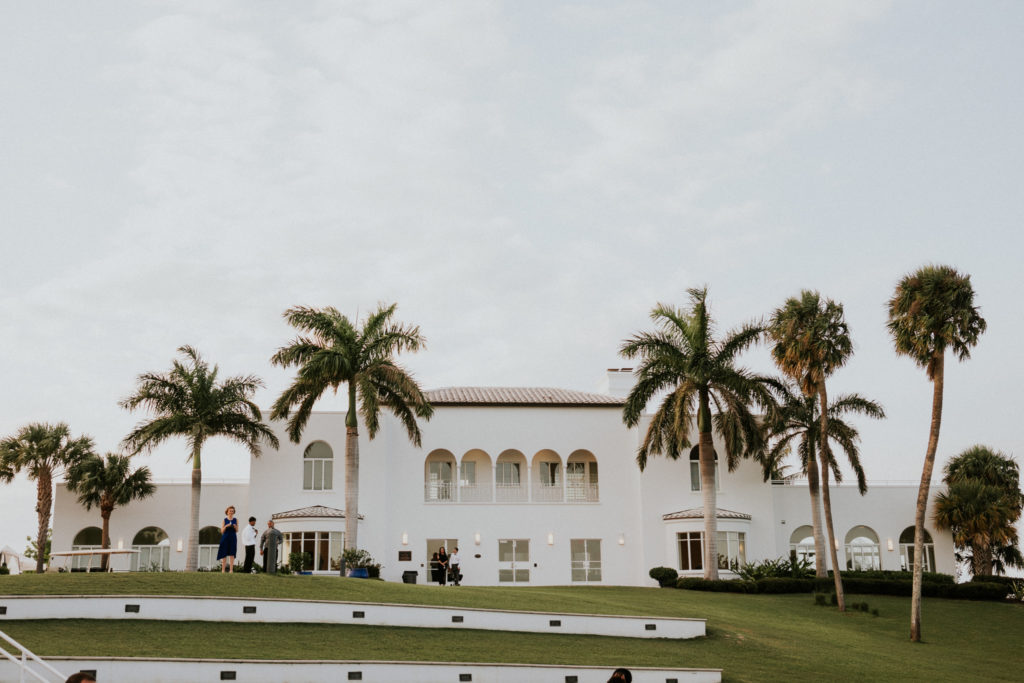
(405,556)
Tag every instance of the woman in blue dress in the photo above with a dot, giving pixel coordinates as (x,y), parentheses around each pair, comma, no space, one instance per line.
(228,541)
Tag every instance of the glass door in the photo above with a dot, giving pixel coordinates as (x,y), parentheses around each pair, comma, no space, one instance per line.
(514,560)
(586,559)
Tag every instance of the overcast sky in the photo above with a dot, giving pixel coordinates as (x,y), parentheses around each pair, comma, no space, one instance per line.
(525,179)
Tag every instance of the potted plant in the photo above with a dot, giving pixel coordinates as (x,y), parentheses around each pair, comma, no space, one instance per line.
(360,564)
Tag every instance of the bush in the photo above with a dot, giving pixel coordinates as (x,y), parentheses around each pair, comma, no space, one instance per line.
(296,561)
(785,585)
(979,591)
(665,576)
(694,583)
(4,570)
(1007,581)
(358,559)
(879,575)
(820,599)
(777,569)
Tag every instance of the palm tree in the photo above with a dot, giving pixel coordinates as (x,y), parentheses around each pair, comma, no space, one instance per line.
(44,451)
(982,503)
(932,310)
(189,401)
(336,352)
(106,484)
(683,357)
(811,341)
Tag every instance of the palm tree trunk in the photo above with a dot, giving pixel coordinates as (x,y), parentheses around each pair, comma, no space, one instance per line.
(351,471)
(105,537)
(707,482)
(827,500)
(938,380)
(978,552)
(814,486)
(192,557)
(44,501)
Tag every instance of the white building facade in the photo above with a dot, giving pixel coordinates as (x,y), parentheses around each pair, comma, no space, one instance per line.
(533,485)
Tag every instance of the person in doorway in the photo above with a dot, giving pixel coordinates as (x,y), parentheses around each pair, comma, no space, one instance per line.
(455,562)
(442,565)
(433,568)
(269,542)
(228,541)
(249,537)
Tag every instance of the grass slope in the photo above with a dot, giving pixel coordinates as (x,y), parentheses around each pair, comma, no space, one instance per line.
(751,637)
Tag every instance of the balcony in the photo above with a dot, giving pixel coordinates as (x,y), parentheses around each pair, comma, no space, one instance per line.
(439,492)
(547,493)
(510,493)
(475,493)
(581,493)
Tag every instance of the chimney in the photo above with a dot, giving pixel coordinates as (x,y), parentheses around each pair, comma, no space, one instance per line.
(618,382)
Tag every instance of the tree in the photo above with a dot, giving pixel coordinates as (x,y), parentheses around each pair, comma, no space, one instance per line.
(683,357)
(44,451)
(190,402)
(982,503)
(107,484)
(32,549)
(335,352)
(811,341)
(931,310)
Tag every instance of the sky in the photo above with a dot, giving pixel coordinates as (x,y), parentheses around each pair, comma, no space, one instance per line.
(525,179)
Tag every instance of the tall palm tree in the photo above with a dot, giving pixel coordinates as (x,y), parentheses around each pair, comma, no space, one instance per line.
(108,483)
(931,310)
(683,357)
(336,352)
(189,401)
(811,341)
(44,451)
(982,503)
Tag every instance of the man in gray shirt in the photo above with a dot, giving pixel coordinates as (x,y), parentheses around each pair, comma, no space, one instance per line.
(269,542)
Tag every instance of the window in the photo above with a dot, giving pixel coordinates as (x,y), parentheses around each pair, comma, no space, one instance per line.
(585,556)
(154,550)
(318,467)
(862,549)
(581,481)
(732,550)
(695,470)
(514,560)
(440,485)
(549,474)
(907,550)
(467,473)
(89,538)
(323,548)
(507,473)
(801,544)
(209,543)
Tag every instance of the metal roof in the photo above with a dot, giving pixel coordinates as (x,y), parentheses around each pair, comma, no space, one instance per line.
(519,396)
(698,513)
(311,511)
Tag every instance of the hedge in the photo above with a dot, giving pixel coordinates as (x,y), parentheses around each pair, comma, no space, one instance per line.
(665,576)
(961,591)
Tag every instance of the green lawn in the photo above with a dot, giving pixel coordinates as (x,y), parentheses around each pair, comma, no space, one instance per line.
(751,637)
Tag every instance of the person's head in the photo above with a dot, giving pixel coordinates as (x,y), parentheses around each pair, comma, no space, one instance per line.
(229,510)
(456,549)
(440,551)
(252,521)
(270,524)
(621,676)
(81,677)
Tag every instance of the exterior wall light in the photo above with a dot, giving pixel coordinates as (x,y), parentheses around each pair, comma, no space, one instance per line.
(551,538)
(622,539)
(889,544)
(181,545)
(476,538)
(120,544)
(405,538)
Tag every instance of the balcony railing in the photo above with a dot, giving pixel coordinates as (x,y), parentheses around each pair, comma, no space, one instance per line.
(510,493)
(449,492)
(581,493)
(475,493)
(439,492)
(547,493)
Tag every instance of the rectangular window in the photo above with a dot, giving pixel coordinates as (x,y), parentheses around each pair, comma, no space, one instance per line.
(468,473)
(732,550)
(324,548)
(549,474)
(695,476)
(507,474)
(691,550)
(585,556)
(317,474)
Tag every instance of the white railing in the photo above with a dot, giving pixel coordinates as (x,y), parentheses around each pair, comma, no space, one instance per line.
(851,481)
(581,493)
(26,659)
(510,493)
(475,493)
(547,493)
(439,492)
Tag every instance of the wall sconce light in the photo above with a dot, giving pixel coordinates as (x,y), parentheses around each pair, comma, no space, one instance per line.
(889,544)
(405,538)
(181,545)
(622,539)
(551,538)
(835,542)
(476,538)
(120,544)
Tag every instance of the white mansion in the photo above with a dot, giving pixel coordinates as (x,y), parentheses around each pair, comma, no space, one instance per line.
(534,485)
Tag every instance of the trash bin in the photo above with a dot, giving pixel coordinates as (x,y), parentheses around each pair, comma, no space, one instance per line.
(409,576)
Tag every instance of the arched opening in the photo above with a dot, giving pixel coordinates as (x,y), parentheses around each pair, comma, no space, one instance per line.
(475,477)
(695,469)
(318,467)
(801,544)
(439,477)
(154,550)
(509,482)
(209,542)
(581,477)
(907,551)
(547,477)
(89,538)
(862,552)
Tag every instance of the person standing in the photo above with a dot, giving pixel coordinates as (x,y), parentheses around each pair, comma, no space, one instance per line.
(269,542)
(455,562)
(228,541)
(442,566)
(249,535)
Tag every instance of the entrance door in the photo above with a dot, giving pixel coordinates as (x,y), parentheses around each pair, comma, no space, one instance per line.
(514,560)
(449,544)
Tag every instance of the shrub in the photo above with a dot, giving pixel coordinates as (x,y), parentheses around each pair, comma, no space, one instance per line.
(665,576)
(4,570)
(296,561)
(358,559)
(785,585)
(284,569)
(879,575)
(1017,589)
(1007,581)
(694,583)
(820,599)
(777,569)
(874,612)
(979,591)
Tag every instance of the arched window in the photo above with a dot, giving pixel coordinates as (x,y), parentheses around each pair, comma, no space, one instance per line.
(695,469)
(581,478)
(154,550)
(907,551)
(209,542)
(509,482)
(318,467)
(547,478)
(89,538)
(801,543)
(439,477)
(862,553)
